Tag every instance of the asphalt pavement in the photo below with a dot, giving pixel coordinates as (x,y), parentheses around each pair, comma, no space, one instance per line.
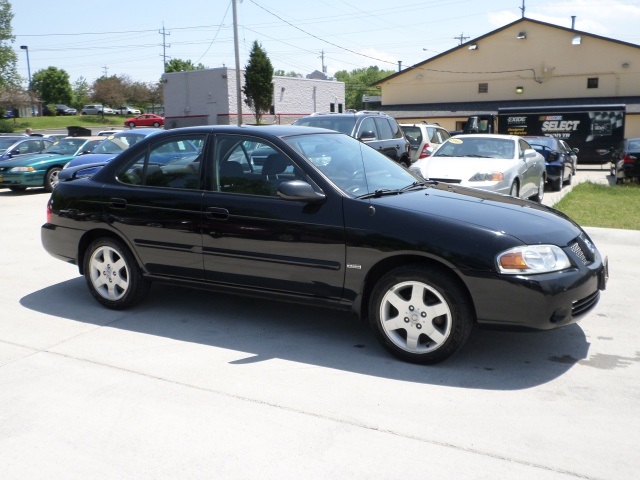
(193,384)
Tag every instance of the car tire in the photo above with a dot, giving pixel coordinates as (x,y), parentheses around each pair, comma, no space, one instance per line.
(51,178)
(132,125)
(156,124)
(112,274)
(538,197)
(556,185)
(420,314)
(569,180)
(515,189)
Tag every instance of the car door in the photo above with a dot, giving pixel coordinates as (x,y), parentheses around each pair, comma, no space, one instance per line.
(254,239)
(159,206)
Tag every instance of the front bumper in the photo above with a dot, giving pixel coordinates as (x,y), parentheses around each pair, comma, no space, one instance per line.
(26,179)
(540,302)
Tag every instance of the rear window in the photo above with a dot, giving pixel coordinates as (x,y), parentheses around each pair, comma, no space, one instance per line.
(343,125)
(413,134)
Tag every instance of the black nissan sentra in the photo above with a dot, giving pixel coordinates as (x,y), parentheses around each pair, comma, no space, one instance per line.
(327,220)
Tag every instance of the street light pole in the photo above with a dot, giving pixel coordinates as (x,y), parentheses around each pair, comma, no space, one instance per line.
(33,109)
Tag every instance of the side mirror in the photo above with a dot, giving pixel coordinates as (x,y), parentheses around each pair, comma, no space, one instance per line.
(299,191)
(529,153)
(367,136)
(14,152)
(575,150)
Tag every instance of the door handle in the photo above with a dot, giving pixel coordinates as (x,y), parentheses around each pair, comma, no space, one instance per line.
(216,213)
(119,203)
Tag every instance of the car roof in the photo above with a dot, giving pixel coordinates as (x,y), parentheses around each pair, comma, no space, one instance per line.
(262,130)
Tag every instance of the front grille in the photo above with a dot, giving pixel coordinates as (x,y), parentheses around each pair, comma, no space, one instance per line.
(580,307)
(577,249)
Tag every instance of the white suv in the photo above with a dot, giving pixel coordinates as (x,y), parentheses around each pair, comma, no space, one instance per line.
(424,138)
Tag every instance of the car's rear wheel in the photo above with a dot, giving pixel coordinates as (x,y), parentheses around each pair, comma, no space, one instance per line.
(420,315)
(112,274)
(51,178)
(556,185)
(156,124)
(132,124)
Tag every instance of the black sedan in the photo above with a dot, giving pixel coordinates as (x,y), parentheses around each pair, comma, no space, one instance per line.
(328,220)
(625,160)
(560,159)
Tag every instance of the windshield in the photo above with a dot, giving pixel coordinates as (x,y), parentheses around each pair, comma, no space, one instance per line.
(339,124)
(66,146)
(541,141)
(118,143)
(352,166)
(480,147)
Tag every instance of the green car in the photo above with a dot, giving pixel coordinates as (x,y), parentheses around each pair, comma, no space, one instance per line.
(41,169)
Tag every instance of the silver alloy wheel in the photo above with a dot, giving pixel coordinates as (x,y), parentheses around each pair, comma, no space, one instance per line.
(53,177)
(109,273)
(415,317)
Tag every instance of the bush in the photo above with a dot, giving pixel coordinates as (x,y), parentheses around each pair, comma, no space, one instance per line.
(6,126)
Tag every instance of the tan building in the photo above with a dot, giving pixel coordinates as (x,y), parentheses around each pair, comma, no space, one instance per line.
(524,63)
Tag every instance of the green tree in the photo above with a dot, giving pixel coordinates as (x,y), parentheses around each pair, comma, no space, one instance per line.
(8,59)
(282,73)
(358,82)
(52,85)
(110,91)
(258,81)
(179,65)
(81,91)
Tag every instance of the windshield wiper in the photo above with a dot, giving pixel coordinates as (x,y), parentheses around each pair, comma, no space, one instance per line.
(416,185)
(380,193)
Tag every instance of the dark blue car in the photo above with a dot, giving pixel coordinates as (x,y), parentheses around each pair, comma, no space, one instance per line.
(561,160)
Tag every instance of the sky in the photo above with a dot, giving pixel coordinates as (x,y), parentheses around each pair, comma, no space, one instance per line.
(124,38)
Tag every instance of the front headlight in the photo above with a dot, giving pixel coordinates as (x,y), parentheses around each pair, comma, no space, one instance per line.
(22,169)
(532,259)
(487,177)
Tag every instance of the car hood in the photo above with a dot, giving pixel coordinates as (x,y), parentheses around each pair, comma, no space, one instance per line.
(33,159)
(92,158)
(529,222)
(462,168)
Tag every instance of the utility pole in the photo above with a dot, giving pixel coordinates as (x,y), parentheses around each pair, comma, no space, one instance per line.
(462,38)
(522,8)
(324,68)
(164,34)
(235,46)
(105,69)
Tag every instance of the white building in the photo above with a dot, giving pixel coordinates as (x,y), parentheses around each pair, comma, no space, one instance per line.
(209,97)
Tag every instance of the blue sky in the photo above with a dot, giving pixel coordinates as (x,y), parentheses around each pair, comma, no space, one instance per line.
(118,37)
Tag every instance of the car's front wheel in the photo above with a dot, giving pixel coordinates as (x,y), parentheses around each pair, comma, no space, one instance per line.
(539,196)
(51,178)
(132,124)
(420,315)
(112,274)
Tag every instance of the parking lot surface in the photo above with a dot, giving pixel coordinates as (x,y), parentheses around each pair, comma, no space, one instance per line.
(193,384)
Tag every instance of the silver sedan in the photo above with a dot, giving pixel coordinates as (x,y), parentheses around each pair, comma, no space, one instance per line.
(499,163)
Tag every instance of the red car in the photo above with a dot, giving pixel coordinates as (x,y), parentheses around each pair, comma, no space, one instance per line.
(144,120)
